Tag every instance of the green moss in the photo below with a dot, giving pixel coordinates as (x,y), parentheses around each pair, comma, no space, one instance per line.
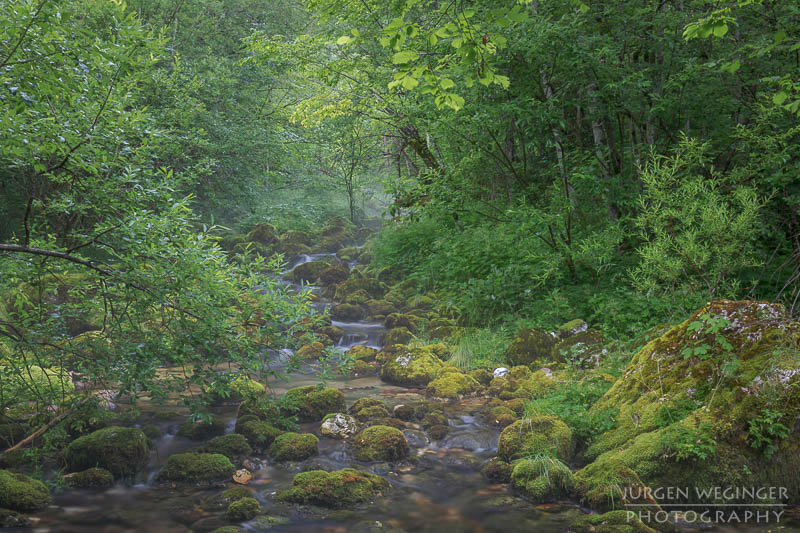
(497,470)
(233,446)
(452,385)
(412,367)
(9,519)
(359,298)
(151,431)
(347,312)
(243,510)
(611,522)
(122,451)
(33,383)
(90,478)
(196,467)
(530,345)
(308,272)
(259,434)
(263,234)
(380,443)
(243,388)
(21,493)
(315,350)
(228,529)
(403,412)
(364,403)
(482,376)
(371,413)
(398,336)
(380,308)
(374,288)
(362,353)
(333,274)
(294,447)
(572,327)
(582,346)
(235,493)
(313,402)
(542,478)
(201,430)
(337,489)
(538,435)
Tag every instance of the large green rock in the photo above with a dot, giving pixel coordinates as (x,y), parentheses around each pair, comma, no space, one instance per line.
(121,451)
(537,435)
(294,447)
(196,467)
(21,493)
(380,443)
(452,385)
(374,288)
(341,488)
(313,402)
(412,367)
(530,345)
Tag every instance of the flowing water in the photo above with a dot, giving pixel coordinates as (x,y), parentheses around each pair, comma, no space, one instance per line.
(440,490)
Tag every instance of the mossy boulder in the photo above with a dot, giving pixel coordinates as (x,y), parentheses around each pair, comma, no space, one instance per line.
(338,426)
(21,493)
(530,345)
(294,447)
(537,435)
(243,510)
(10,519)
(258,433)
(308,272)
(619,521)
(412,367)
(359,297)
(91,478)
(362,353)
(201,429)
(398,336)
(315,350)
(681,421)
(497,470)
(542,478)
(379,307)
(333,274)
(333,333)
(341,488)
(380,443)
(399,320)
(452,385)
(263,234)
(122,451)
(347,313)
(313,402)
(374,288)
(233,446)
(372,412)
(584,347)
(196,468)
(573,327)
(295,237)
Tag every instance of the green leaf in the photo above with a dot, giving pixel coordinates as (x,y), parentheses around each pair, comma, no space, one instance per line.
(404,56)
(410,83)
(780,97)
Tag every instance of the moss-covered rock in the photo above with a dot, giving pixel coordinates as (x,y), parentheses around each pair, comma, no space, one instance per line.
(21,493)
(315,350)
(234,493)
(196,468)
(308,272)
(338,426)
(374,288)
(538,435)
(347,313)
(452,385)
(497,470)
(412,367)
(530,345)
(341,488)
(122,451)
(682,422)
(379,307)
(403,412)
(611,522)
(573,327)
(233,446)
(243,510)
(333,274)
(380,443)
(399,320)
(363,403)
(333,333)
(259,434)
(201,429)
(372,413)
(94,478)
(584,347)
(313,402)
(362,353)
(398,336)
(10,519)
(542,478)
(294,447)
(263,233)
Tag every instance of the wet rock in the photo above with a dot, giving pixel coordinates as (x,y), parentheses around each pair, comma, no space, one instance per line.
(380,443)
(374,288)
(416,438)
(308,272)
(122,451)
(497,470)
(308,352)
(234,493)
(412,367)
(9,519)
(585,348)
(21,493)
(438,431)
(538,435)
(362,353)
(228,529)
(263,523)
(337,489)
(196,467)
(259,434)
(294,447)
(201,430)
(359,298)
(91,478)
(233,446)
(347,312)
(243,510)
(333,274)
(530,345)
(338,426)
(403,412)
(333,333)
(379,307)
(371,413)
(500,372)
(399,320)
(573,327)
(315,401)
(452,385)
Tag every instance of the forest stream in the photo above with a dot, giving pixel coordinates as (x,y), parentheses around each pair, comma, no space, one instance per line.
(439,487)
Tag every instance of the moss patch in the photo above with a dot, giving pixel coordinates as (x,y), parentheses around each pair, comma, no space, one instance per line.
(313,402)
(99,478)
(233,446)
(538,435)
(412,367)
(122,451)
(530,345)
(243,509)
(294,447)
(196,467)
(337,489)
(21,493)
(380,443)
(452,385)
